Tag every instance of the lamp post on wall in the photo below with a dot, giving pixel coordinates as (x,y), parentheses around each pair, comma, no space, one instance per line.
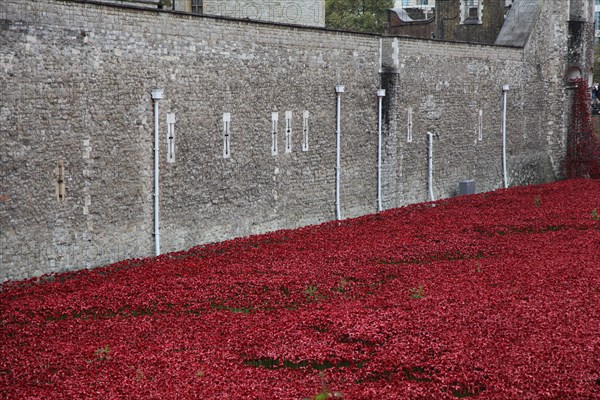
(339,89)
(505,89)
(380,96)
(430,167)
(157,95)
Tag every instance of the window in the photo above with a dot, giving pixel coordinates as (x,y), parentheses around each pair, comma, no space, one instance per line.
(480,126)
(288,131)
(226,135)
(170,137)
(196,6)
(305,117)
(471,11)
(274,121)
(409,125)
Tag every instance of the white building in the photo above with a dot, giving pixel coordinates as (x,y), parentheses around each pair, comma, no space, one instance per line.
(430,4)
(426,5)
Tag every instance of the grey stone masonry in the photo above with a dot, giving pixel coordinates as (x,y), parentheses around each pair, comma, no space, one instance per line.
(247,125)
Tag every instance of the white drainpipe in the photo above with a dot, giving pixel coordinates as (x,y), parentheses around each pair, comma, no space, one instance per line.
(505,93)
(338,90)
(380,95)
(430,166)
(157,95)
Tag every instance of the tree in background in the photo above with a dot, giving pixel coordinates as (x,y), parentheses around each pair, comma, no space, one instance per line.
(357,15)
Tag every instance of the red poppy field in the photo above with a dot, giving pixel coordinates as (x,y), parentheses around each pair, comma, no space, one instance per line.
(488,296)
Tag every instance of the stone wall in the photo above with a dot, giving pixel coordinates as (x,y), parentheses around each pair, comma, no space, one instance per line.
(76,85)
(77,115)
(455,92)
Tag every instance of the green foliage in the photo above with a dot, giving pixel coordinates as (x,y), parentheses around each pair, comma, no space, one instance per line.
(139,375)
(243,310)
(325,393)
(418,292)
(341,287)
(312,293)
(357,15)
(595,216)
(103,353)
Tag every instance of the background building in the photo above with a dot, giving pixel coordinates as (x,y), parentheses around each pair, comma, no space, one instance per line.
(410,22)
(477,21)
(303,12)
(426,6)
(469,20)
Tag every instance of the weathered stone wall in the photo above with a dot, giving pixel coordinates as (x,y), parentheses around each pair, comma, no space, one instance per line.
(445,87)
(76,80)
(550,54)
(76,86)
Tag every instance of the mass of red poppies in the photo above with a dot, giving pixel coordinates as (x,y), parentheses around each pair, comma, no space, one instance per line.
(487,296)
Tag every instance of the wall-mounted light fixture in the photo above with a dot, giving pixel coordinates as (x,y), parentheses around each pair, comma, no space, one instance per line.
(380,96)
(505,89)
(157,95)
(339,89)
